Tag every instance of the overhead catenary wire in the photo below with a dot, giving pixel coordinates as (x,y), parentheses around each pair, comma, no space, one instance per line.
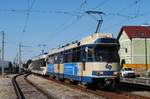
(65,28)
(66,25)
(76,13)
(126,20)
(134,3)
(82,14)
(123,15)
(100,4)
(27,18)
(23,33)
(129,17)
(83,4)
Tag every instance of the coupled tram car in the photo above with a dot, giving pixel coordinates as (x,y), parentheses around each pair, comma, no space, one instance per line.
(38,65)
(93,60)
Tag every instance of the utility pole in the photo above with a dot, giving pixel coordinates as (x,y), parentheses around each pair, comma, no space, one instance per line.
(19,58)
(2,61)
(20,55)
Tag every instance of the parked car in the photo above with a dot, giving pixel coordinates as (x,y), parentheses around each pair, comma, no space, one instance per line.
(128,73)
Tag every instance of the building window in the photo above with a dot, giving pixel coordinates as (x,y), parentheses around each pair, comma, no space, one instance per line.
(126,50)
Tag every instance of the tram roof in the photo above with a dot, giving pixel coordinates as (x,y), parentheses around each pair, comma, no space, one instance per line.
(41,56)
(85,41)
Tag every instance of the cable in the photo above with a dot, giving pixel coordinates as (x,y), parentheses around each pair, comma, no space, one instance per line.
(122,15)
(83,3)
(66,27)
(78,14)
(32,3)
(100,4)
(131,5)
(27,19)
(129,17)
(81,15)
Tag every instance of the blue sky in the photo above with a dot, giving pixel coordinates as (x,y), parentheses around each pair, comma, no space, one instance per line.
(48,24)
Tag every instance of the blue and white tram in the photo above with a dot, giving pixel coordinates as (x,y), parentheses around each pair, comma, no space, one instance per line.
(38,65)
(94,59)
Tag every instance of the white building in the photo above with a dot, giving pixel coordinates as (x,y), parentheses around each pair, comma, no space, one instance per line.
(135,47)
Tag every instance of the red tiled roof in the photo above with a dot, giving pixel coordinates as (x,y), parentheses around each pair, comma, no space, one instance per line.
(136,31)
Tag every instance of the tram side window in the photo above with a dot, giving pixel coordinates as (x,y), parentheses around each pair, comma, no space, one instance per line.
(74,55)
(43,62)
(56,59)
(69,56)
(90,54)
(78,55)
(50,60)
(61,57)
(65,57)
(39,63)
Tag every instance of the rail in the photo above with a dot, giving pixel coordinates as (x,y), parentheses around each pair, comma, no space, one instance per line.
(113,94)
(140,81)
(17,88)
(38,88)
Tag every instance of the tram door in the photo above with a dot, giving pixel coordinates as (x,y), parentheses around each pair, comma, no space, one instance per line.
(87,55)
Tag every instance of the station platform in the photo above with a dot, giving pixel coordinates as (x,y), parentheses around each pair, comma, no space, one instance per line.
(137,80)
(6,87)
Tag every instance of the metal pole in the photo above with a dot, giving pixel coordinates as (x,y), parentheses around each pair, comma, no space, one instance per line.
(3,34)
(19,58)
(98,26)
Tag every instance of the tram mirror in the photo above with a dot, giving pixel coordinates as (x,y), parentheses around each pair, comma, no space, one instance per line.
(86,49)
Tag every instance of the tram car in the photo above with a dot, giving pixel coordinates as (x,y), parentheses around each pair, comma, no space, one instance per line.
(94,59)
(38,65)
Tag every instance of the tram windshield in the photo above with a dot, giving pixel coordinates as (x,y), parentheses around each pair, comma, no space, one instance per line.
(106,53)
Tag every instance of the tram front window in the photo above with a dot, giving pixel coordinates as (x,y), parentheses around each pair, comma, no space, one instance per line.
(106,54)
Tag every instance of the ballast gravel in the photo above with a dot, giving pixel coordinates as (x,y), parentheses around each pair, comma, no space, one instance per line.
(60,91)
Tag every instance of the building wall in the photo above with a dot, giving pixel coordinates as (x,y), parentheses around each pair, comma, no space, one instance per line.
(133,52)
(138,50)
(148,50)
(125,48)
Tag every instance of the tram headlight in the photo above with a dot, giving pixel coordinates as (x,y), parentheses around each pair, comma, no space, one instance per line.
(100,73)
(116,73)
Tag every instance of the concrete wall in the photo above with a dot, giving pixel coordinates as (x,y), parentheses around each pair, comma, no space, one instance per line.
(138,51)
(148,50)
(125,48)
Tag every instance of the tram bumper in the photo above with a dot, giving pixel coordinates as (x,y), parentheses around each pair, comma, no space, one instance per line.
(108,77)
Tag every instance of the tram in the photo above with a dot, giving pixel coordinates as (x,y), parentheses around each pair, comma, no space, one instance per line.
(93,59)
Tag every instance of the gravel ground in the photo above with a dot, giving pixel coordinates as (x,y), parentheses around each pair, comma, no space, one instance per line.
(28,90)
(135,89)
(142,93)
(6,88)
(60,91)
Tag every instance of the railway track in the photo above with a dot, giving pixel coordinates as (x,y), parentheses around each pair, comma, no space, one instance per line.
(109,94)
(27,90)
